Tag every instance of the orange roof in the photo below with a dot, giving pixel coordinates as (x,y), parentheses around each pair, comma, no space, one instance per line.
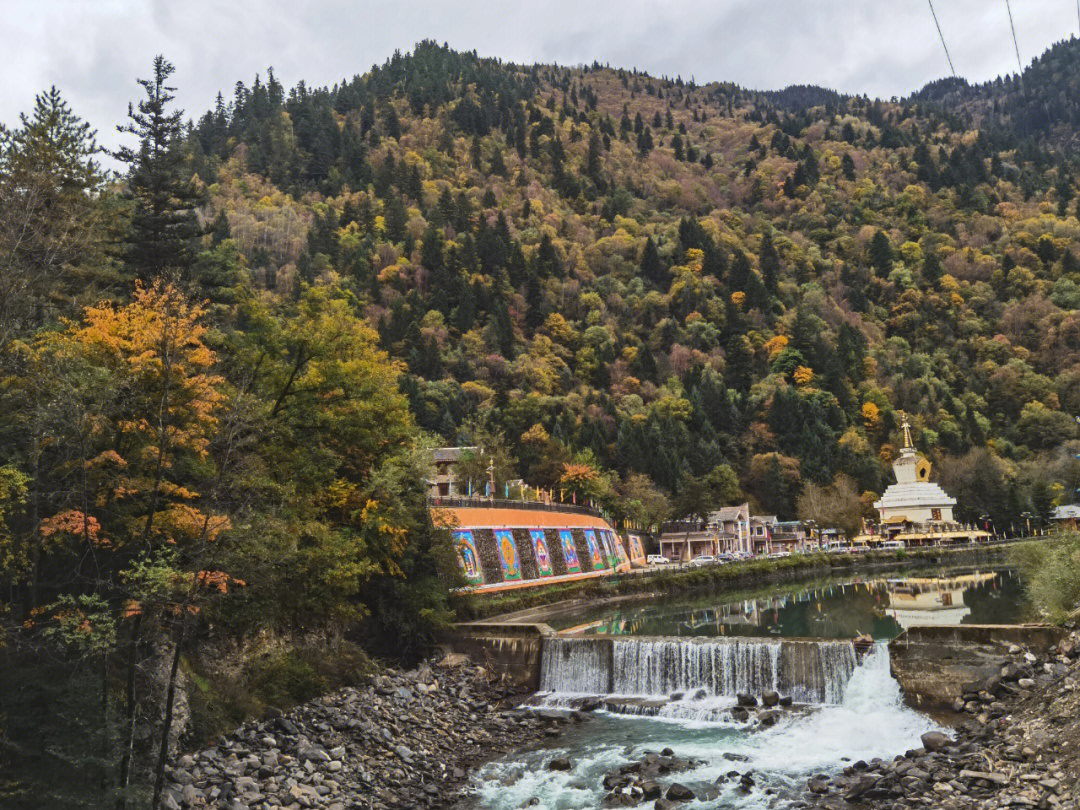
(480,517)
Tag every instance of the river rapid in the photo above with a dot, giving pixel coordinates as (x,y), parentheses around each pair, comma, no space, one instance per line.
(678,692)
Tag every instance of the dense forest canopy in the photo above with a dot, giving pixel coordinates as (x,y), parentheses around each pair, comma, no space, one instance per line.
(664,279)
(222,372)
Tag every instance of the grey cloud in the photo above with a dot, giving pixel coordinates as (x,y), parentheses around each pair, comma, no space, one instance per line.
(94,51)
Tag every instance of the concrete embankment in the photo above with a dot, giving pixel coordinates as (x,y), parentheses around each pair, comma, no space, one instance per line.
(934,664)
(512,650)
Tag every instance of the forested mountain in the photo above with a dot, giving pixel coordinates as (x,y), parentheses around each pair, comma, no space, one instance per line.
(222,371)
(665,279)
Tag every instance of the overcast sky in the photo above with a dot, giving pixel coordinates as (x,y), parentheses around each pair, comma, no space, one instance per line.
(93,50)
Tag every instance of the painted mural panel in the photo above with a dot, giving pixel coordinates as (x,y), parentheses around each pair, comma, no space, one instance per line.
(508,556)
(595,553)
(566,537)
(468,557)
(620,551)
(607,539)
(540,553)
(637,551)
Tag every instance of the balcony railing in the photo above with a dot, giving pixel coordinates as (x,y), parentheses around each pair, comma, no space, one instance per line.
(455,502)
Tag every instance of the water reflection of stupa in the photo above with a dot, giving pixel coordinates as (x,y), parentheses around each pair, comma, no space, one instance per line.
(932,600)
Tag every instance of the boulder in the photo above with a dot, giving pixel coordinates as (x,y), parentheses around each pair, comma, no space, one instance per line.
(768,719)
(453,660)
(559,764)
(770,698)
(650,790)
(679,793)
(935,741)
(817,786)
(861,785)
(747,701)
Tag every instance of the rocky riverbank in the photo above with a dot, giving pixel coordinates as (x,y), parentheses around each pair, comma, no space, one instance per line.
(1018,745)
(406,740)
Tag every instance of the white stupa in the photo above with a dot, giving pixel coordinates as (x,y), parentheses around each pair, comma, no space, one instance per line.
(913,498)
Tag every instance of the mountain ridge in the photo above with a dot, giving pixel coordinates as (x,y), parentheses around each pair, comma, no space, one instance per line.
(718,274)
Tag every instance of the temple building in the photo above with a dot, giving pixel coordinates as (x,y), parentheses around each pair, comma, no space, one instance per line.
(915,509)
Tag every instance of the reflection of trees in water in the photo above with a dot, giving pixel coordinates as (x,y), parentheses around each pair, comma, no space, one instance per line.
(998,601)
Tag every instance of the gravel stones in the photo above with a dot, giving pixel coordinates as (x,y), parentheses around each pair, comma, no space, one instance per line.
(406,740)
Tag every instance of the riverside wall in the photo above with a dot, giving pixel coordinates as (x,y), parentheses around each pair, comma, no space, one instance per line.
(934,664)
(511,650)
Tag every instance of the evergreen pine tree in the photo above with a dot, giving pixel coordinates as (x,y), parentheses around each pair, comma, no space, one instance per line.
(652,267)
(769,262)
(163,224)
(881,254)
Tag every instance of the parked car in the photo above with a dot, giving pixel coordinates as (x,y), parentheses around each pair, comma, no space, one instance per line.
(657,559)
(725,556)
(705,559)
(777,554)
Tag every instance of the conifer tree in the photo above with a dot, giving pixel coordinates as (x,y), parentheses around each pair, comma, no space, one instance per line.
(652,267)
(881,254)
(163,225)
(769,262)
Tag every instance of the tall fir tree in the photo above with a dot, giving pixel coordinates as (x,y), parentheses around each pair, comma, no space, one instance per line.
(163,225)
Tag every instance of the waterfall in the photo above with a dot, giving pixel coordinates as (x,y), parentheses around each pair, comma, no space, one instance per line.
(808,671)
(576,666)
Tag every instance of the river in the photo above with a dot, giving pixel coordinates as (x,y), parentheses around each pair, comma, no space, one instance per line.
(668,671)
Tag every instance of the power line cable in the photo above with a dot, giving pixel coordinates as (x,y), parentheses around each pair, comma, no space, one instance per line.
(942,36)
(1015,45)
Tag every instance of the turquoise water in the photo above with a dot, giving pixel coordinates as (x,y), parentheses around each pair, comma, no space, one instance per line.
(870,721)
(879,606)
(862,716)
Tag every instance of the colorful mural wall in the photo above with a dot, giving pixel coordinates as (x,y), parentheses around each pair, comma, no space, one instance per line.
(570,557)
(468,557)
(541,553)
(489,557)
(596,554)
(508,555)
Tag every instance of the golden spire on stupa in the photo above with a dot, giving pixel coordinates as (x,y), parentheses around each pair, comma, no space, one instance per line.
(905,423)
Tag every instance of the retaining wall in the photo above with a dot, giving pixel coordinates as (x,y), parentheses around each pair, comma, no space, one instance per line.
(511,650)
(932,664)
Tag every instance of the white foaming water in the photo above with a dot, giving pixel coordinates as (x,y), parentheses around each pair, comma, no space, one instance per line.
(870,720)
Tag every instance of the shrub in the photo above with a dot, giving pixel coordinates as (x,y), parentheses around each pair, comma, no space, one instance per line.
(1052,575)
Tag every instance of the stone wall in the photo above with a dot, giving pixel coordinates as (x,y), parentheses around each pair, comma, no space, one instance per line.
(932,664)
(511,650)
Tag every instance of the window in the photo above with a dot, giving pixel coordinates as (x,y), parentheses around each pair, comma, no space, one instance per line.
(935,514)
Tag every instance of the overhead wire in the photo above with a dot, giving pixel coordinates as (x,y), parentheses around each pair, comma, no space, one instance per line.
(942,36)
(1012,28)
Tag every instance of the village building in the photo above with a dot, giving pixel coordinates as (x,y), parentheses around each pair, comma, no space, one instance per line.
(445,484)
(731,530)
(1066,517)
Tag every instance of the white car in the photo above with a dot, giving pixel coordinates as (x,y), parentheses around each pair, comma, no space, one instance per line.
(657,559)
(704,559)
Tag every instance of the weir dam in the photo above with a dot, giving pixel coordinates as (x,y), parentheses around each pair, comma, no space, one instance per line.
(661,668)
